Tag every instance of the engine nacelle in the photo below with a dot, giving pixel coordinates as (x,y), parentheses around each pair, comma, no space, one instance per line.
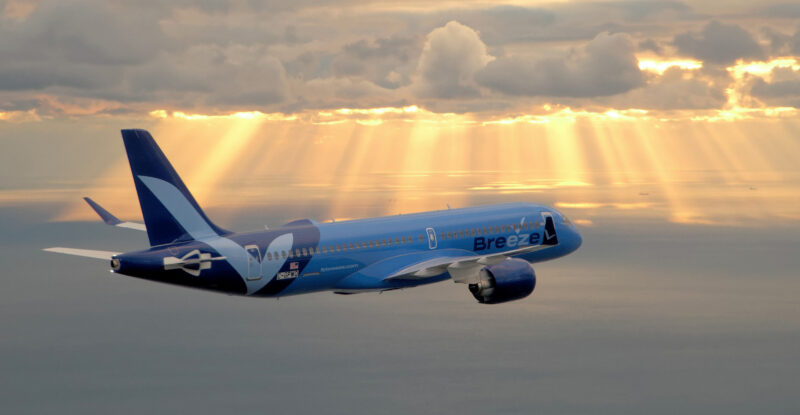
(509,280)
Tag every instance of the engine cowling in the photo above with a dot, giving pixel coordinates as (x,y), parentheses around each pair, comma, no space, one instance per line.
(509,280)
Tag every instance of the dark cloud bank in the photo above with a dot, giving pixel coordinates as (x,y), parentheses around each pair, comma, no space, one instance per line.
(273,56)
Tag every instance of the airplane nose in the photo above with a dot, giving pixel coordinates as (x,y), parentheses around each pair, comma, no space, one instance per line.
(575,240)
(578,239)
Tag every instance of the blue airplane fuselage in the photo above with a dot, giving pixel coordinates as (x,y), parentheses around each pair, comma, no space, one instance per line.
(305,256)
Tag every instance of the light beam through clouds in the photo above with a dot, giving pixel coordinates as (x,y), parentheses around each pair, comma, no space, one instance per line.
(596,164)
(346,137)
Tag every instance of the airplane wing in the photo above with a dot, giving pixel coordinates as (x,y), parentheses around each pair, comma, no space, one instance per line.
(112,220)
(463,266)
(83,252)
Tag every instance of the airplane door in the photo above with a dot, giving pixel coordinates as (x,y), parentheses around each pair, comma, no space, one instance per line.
(431,238)
(253,262)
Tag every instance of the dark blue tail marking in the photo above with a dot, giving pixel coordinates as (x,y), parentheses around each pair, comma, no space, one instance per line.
(147,159)
(107,217)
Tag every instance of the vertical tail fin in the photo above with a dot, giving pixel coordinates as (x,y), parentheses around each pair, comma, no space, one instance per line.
(169,210)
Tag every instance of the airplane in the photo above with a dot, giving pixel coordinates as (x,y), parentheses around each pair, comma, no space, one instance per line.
(489,248)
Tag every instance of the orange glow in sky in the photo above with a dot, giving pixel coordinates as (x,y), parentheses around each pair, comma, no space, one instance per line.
(590,164)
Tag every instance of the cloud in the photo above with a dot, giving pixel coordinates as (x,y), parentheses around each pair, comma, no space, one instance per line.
(77,44)
(451,56)
(719,43)
(325,93)
(387,61)
(782,11)
(505,24)
(651,45)
(233,76)
(676,89)
(83,32)
(783,89)
(221,55)
(605,66)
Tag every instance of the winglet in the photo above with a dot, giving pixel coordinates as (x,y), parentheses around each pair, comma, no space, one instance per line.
(107,217)
(112,220)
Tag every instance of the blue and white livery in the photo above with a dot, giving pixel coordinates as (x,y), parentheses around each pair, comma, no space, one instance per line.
(489,248)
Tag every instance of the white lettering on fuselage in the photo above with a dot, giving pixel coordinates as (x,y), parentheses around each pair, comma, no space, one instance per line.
(339,268)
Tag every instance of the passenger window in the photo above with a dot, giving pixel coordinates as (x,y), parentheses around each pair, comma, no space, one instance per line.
(324,249)
(291,255)
(389,242)
(421,238)
(283,254)
(442,235)
(316,250)
(383,242)
(269,256)
(305,252)
(410,239)
(351,246)
(297,252)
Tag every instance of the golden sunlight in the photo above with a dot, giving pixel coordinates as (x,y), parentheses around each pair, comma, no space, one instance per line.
(391,160)
(762,68)
(659,66)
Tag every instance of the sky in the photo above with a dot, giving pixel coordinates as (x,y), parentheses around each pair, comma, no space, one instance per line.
(668,131)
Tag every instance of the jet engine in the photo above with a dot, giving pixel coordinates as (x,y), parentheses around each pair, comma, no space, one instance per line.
(509,280)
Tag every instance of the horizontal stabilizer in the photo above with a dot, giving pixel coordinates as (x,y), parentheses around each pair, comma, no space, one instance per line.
(112,220)
(88,253)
